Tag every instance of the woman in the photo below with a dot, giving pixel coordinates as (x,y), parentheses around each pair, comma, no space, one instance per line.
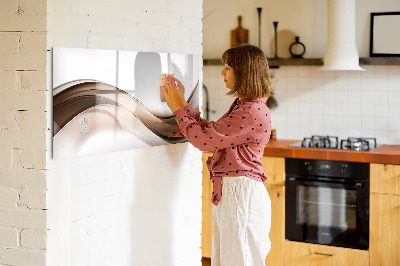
(242,208)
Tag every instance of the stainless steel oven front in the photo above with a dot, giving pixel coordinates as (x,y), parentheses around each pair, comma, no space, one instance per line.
(327,202)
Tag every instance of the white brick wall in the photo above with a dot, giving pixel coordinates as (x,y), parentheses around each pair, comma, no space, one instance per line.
(9,197)
(33,239)
(123,208)
(9,237)
(91,200)
(23,132)
(135,207)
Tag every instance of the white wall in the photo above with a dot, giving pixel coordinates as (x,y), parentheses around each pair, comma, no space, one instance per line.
(311,102)
(23,133)
(134,207)
(305,18)
(343,104)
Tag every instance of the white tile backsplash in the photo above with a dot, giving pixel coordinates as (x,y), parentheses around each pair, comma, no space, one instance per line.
(394,110)
(393,71)
(394,97)
(354,132)
(329,109)
(382,123)
(355,96)
(367,83)
(329,92)
(304,82)
(380,84)
(394,137)
(304,72)
(291,71)
(367,96)
(381,97)
(316,82)
(367,133)
(292,83)
(394,123)
(355,109)
(381,110)
(342,96)
(354,81)
(355,122)
(345,103)
(367,109)
(382,136)
(368,123)
(381,71)
(394,82)
(342,123)
(342,109)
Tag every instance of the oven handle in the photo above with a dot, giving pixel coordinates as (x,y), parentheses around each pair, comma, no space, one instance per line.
(357,185)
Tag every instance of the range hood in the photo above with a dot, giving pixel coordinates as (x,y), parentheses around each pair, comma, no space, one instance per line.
(341,51)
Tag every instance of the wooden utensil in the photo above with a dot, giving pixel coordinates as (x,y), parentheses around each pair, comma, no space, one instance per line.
(239,35)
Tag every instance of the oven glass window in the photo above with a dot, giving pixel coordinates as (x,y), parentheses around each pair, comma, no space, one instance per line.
(327,207)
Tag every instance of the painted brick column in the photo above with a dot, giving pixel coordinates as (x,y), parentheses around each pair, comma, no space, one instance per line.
(23,39)
(131,207)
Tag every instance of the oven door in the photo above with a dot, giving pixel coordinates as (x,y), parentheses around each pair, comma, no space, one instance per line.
(327,213)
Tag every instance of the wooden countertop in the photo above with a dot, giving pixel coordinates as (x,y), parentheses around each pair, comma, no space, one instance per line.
(389,154)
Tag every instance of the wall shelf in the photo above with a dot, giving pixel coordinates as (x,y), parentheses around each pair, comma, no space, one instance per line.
(274,63)
(380,61)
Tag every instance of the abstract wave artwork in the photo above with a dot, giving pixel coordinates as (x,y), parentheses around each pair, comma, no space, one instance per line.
(109,100)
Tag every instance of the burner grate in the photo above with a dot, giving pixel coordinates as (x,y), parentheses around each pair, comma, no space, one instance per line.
(327,142)
(358,144)
(332,142)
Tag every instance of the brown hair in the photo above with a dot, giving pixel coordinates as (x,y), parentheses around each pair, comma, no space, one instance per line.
(250,66)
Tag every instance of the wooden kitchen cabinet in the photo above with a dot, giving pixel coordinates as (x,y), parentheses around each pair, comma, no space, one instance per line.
(274,168)
(206,225)
(305,254)
(385,178)
(384,236)
(277,233)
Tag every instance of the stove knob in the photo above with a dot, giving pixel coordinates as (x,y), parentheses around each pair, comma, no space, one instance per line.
(343,168)
(308,166)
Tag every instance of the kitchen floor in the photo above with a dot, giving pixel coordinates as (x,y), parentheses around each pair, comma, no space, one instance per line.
(206,261)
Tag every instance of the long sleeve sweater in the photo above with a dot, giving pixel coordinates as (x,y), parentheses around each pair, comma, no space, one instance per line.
(238,139)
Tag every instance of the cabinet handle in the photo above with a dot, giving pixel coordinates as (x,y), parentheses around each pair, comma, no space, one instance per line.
(325,254)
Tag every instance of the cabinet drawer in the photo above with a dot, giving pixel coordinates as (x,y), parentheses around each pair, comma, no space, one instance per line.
(305,254)
(274,168)
(385,178)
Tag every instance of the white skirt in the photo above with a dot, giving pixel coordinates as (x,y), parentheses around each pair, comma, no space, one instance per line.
(241,223)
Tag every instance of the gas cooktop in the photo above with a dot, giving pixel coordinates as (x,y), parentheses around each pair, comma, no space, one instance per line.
(332,142)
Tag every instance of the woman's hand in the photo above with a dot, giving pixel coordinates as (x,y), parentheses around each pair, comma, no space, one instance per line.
(173,95)
(181,91)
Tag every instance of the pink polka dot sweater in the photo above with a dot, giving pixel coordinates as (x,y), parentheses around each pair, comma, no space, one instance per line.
(238,139)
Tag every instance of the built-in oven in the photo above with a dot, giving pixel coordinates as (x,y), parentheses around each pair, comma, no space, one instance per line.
(327,202)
